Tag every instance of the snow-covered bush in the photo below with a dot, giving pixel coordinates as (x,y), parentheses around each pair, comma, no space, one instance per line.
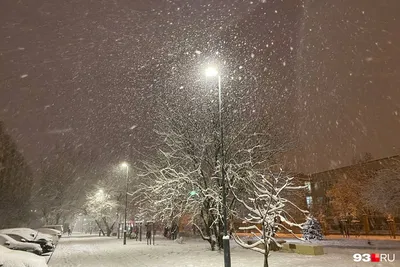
(312,229)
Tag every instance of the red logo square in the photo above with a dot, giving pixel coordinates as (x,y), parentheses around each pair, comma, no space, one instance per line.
(375,257)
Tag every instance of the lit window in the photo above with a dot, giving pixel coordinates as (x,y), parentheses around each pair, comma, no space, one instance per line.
(309,201)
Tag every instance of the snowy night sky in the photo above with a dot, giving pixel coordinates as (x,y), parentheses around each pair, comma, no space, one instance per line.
(91,74)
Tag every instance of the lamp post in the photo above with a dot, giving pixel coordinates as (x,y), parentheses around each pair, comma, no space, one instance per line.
(212,72)
(125,165)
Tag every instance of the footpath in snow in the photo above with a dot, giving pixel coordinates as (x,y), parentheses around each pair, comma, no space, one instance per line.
(94,251)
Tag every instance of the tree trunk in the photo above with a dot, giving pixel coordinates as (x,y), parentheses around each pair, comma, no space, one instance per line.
(208,234)
(98,225)
(265,258)
(212,242)
(216,235)
(107,227)
(212,234)
(58,216)
(266,244)
(266,251)
(46,219)
(220,234)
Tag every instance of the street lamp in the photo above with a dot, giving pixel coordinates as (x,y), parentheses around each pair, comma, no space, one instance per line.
(213,72)
(125,165)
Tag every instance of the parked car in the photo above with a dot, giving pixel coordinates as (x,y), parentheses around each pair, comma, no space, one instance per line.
(50,231)
(58,227)
(15,258)
(11,243)
(28,231)
(24,235)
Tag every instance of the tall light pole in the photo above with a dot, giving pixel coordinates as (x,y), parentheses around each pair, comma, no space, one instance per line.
(212,72)
(125,165)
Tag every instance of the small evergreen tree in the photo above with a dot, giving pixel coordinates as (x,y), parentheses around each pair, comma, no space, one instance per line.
(312,229)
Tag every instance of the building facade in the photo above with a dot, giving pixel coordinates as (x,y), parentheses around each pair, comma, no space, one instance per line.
(319,198)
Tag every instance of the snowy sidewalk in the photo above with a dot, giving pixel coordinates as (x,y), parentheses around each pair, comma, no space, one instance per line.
(363,237)
(91,251)
(383,243)
(337,237)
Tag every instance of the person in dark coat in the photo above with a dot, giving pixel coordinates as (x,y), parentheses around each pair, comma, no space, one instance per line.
(148,234)
(341,228)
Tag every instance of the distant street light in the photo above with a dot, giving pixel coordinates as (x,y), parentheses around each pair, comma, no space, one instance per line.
(125,165)
(213,72)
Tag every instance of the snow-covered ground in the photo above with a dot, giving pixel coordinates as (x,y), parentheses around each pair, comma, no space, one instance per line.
(90,251)
(354,243)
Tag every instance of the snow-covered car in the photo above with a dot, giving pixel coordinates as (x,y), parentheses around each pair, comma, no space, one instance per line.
(11,243)
(28,231)
(44,244)
(58,227)
(50,231)
(15,258)
(26,235)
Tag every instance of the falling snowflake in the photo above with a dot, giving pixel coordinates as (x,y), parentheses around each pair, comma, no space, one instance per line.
(24,76)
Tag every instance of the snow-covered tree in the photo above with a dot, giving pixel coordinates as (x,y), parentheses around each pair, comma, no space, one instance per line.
(312,229)
(103,206)
(184,177)
(346,192)
(382,192)
(16,181)
(61,190)
(105,201)
(182,182)
(267,201)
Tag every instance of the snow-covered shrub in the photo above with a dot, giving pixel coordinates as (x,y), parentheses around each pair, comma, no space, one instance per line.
(312,229)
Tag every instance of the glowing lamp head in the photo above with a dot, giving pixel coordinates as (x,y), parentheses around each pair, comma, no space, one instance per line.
(124,165)
(211,72)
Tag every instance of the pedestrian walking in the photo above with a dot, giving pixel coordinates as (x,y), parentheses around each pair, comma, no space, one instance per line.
(341,228)
(148,235)
(357,227)
(166,230)
(392,226)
